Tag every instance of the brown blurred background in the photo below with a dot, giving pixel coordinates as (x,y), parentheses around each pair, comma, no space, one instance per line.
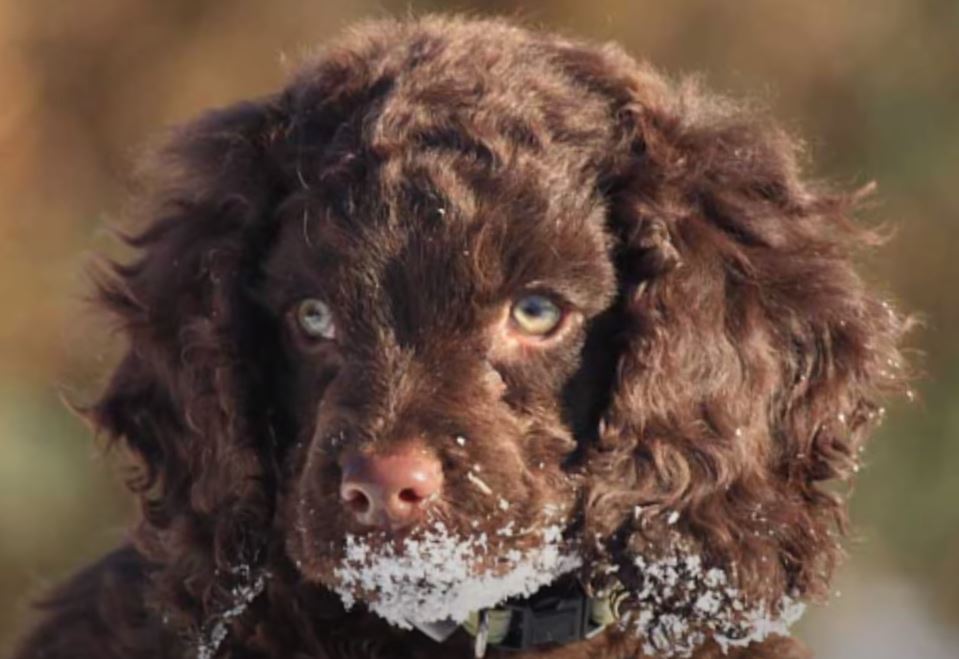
(872,84)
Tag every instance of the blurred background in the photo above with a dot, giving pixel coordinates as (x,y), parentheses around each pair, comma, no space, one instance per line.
(872,84)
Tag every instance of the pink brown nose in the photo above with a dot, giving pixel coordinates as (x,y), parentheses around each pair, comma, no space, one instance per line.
(390,491)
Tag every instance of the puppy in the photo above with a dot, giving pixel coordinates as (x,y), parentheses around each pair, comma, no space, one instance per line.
(476,340)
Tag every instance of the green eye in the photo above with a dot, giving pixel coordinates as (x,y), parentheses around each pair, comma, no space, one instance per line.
(316,319)
(536,315)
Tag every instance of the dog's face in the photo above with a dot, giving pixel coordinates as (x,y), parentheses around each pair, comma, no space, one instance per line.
(435,359)
(466,306)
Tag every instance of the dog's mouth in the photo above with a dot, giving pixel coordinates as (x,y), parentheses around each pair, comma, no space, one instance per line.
(436,574)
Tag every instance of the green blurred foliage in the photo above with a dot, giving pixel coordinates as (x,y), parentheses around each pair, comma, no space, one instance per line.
(872,84)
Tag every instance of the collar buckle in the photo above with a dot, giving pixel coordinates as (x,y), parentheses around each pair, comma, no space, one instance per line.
(558,614)
(556,620)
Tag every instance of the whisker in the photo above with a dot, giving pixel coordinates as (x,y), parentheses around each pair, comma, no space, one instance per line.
(479,483)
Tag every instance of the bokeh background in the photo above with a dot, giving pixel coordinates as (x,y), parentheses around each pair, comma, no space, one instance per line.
(872,84)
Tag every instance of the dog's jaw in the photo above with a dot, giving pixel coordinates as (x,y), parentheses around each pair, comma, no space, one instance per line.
(438,575)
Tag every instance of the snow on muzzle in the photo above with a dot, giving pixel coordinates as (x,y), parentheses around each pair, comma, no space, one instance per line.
(437,575)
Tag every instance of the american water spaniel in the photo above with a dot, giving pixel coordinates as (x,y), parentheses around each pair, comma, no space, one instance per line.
(477,340)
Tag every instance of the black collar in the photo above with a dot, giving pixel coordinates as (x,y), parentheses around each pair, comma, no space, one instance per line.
(557,614)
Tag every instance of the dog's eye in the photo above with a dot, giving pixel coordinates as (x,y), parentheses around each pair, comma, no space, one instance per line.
(316,319)
(536,314)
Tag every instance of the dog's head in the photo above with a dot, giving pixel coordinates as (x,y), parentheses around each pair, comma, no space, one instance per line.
(467,307)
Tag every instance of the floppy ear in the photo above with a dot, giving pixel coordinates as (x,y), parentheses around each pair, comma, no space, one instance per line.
(186,399)
(753,358)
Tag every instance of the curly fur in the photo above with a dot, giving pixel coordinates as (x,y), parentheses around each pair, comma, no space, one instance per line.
(725,368)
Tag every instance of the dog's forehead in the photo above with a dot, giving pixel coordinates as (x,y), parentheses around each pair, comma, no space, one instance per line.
(444,187)
(430,255)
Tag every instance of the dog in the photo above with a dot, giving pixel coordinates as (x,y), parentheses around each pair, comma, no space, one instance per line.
(472,341)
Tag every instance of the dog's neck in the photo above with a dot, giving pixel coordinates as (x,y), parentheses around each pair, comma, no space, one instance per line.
(559,614)
(564,614)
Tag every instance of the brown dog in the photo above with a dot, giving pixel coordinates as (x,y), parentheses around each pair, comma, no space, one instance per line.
(485,335)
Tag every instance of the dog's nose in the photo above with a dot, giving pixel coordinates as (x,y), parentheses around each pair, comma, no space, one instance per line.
(392,490)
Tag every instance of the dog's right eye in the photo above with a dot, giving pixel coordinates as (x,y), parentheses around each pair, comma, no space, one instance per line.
(315,319)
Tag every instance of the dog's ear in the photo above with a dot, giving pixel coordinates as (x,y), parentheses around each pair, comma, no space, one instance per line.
(754,359)
(185,398)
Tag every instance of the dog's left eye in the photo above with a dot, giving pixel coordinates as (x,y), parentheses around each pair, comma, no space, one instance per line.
(536,315)
(315,319)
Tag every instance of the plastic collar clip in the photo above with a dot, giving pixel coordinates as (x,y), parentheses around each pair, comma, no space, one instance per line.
(554,616)
(556,620)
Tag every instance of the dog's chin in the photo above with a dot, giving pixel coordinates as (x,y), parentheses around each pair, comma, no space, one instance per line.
(435,574)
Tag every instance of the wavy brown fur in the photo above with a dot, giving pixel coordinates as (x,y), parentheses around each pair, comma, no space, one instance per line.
(728,366)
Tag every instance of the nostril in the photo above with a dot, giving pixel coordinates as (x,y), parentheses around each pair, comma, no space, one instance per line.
(409,495)
(357,501)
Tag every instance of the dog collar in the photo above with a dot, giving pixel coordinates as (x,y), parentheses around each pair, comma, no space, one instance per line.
(558,614)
